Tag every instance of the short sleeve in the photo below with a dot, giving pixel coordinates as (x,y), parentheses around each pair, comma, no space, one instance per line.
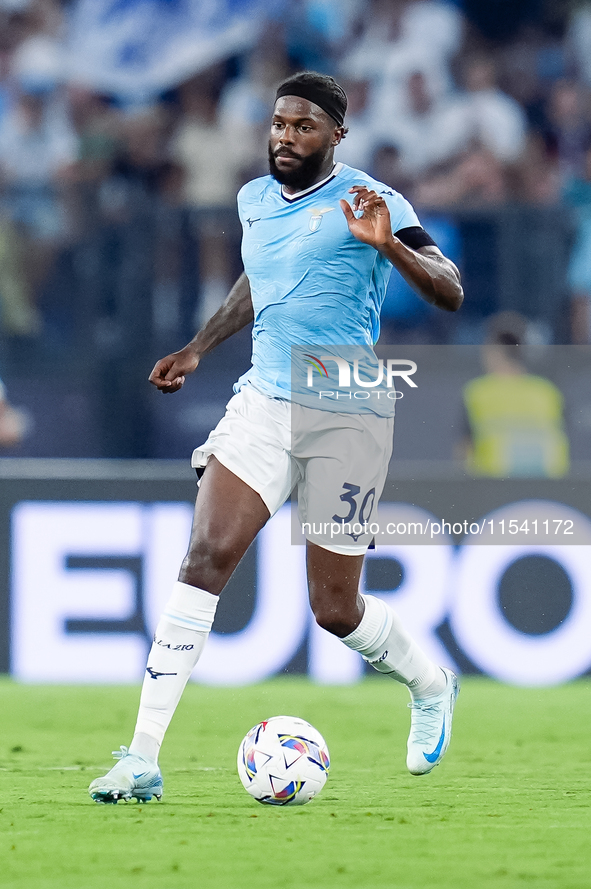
(402,212)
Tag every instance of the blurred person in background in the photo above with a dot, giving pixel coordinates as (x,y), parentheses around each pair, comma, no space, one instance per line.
(386,166)
(98,126)
(125,263)
(38,150)
(378,30)
(568,127)
(524,74)
(358,149)
(14,422)
(18,316)
(486,132)
(317,30)
(6,42)
(474,179)
(246,101)
(399,37)
(484,114)
(578,40)
(535,178)
(139,181)
(513,419)
(212,161)
(577,196)
(424,130)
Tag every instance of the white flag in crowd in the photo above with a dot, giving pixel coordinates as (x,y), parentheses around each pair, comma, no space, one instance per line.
(136,49)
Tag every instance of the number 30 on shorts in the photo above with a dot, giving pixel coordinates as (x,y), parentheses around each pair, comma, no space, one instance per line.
(349,495)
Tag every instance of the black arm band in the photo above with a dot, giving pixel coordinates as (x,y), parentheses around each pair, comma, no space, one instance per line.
(415,237)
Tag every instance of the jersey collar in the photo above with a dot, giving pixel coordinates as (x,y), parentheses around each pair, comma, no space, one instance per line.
(290,198)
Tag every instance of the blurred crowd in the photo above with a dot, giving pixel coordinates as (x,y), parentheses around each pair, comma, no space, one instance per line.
(451,105)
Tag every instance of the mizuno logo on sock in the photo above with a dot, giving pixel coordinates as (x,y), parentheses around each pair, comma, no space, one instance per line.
(431,757)
(154,674)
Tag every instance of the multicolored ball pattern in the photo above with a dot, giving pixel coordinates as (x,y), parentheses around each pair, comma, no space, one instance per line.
(283,761)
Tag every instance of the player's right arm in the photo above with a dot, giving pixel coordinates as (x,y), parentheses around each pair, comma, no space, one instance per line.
(169,373)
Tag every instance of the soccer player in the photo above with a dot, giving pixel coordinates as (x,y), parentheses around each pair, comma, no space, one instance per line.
(319,242)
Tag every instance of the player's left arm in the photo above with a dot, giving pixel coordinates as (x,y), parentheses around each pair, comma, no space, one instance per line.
(431,274)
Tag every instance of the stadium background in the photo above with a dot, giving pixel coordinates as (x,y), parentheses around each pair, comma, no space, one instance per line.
(125,130)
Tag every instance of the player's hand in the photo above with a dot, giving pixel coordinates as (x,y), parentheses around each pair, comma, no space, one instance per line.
(374,227)
(169,373)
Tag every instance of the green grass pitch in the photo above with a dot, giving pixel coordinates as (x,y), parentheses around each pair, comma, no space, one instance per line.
(510,806)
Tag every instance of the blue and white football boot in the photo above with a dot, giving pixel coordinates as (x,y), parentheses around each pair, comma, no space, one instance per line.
(133,777)
(430,728)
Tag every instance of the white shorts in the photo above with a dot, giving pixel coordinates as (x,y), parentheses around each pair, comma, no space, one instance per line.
(338,462)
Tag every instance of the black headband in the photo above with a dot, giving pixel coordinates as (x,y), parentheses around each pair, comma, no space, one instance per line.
(334,106)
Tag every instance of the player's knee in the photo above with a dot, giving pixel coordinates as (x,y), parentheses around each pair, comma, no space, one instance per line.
(203,564)
(334,618)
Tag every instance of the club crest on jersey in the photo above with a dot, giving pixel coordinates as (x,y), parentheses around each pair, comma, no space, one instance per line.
(316,218)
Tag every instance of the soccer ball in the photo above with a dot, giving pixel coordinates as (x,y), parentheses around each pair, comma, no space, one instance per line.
(283,761)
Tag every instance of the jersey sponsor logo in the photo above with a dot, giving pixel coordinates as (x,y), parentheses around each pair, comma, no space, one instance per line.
(154,674)
(317,217)
(386,191)
(251,222)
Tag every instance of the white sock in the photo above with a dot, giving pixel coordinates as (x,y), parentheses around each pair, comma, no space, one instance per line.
(178,642)
(383,642)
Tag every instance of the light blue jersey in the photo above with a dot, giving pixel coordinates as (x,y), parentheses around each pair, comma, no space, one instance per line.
(311,281)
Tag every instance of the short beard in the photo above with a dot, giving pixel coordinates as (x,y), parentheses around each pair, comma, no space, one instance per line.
(306,174)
